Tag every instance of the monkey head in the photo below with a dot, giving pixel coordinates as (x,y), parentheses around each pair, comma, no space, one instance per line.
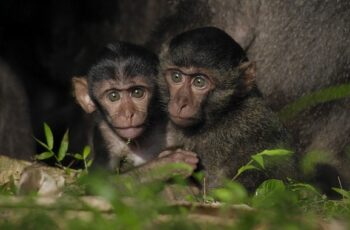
(203,72)
(120,88)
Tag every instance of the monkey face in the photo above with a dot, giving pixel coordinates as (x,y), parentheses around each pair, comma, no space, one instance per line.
(188,88)
(125,102)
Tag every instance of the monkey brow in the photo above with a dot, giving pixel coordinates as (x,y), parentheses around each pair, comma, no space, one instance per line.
(188,74)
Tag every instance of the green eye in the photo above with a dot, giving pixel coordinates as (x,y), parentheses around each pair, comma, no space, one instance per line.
(199,81)
(113,96)
(137,92)
(176,77)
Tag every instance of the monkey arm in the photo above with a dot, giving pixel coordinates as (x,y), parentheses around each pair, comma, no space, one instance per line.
(168,165)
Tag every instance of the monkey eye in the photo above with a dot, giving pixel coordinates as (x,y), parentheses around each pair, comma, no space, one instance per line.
(199,81)
(137,92)
(113,96)
(176,77)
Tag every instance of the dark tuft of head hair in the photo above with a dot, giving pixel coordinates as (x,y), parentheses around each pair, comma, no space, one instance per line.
(207,47)
(122,59)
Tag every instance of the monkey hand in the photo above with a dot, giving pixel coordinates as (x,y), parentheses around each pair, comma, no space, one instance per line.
(169,163)
(179,162)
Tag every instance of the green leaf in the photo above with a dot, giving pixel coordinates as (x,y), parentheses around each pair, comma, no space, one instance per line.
(63,147)
(311,159)
(275,152)
(78,156)
(89,163)
(321,96)
(344,193)
(245,168)
(86,151)
(49,136)
(44,155)
(41,143)
(198,176)
(223,194)
(305,191)
(208,199)
(274,194)
(232,192)
(269,186)
(303,186)
(259,159)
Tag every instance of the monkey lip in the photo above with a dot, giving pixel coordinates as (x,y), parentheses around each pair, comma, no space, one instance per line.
(183,121)
(129,132)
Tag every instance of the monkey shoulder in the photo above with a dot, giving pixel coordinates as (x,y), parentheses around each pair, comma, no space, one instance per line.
(249,128)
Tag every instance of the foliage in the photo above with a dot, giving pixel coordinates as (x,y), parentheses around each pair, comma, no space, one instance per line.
(324,95)
(275,204)
(257,161)
(62,150)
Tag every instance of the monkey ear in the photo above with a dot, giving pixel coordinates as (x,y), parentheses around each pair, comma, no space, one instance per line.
(81,94)
(249,73)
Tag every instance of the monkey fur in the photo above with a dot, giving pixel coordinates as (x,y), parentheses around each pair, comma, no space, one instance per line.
(208,87)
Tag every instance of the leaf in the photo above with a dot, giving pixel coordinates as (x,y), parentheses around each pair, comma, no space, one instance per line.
(311,159)
(245,168)
(63,147)
(49,136)
(44,155)
(198,176)
(41,143)
(89,163)
(305,191)
(223,194)
(321,96)
(232,192)
(275,152)
(303,186)
(270,186)
(86,151)
(259,159)
(78,156)
(274,194)
(344,193)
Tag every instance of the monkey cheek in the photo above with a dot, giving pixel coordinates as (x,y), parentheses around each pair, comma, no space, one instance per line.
(130,133)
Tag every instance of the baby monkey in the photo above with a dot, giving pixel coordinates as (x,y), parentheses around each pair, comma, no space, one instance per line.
(215,108)
(128,130)
(121,96)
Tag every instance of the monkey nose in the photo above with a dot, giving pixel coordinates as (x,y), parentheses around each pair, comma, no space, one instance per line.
(126,116)
(130,117)
(182,102)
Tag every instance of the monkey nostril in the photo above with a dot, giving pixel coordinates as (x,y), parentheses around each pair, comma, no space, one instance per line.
(182,106)
(182,103)
(129,117)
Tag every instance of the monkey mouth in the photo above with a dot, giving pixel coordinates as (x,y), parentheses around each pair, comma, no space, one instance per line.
(130,132)
(183,121)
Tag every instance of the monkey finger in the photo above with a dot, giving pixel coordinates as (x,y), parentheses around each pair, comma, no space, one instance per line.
(191,160)
(186,152)
(165,153)
(182,157)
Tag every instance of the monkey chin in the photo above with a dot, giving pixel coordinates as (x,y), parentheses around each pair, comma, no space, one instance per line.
(183,122)
(130,132)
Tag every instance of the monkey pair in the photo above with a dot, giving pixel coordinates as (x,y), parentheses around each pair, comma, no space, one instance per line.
(200,97)
(121,94)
